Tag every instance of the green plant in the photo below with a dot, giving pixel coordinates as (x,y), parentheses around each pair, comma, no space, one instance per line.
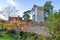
(52,25)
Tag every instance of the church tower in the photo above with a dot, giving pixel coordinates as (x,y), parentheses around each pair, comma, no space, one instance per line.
(38,14)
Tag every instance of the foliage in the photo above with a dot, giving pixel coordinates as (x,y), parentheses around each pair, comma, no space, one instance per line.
(24,36)
(52,24)
(48,7)
(26,15)
(4,36)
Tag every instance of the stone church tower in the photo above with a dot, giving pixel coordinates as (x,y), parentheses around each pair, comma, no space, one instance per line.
(38,14)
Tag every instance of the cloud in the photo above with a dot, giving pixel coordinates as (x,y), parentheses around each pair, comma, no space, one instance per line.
(11,2)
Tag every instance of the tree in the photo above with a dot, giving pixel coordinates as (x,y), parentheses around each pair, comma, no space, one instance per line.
(52,24)
(48,7)
(9,11)
(26,15)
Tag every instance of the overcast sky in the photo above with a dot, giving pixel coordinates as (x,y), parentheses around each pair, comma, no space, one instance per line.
(24,5)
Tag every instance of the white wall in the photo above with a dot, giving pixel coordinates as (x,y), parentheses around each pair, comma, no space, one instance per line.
(39,14)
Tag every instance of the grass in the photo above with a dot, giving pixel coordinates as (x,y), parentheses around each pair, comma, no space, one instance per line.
(5,37)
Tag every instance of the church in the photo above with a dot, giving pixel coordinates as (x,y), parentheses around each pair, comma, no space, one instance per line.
(38,14)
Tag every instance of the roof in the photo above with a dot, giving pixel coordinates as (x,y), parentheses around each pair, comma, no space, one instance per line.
(15,18)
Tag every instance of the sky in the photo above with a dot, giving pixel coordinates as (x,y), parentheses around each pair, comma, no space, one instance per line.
(24,5)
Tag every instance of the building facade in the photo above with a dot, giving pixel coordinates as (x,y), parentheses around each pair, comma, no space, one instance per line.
(38,14)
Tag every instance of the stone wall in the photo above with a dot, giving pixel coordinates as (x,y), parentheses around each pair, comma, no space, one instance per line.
(38,14)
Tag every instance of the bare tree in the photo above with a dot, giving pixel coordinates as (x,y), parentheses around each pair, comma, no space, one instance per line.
(9,11)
